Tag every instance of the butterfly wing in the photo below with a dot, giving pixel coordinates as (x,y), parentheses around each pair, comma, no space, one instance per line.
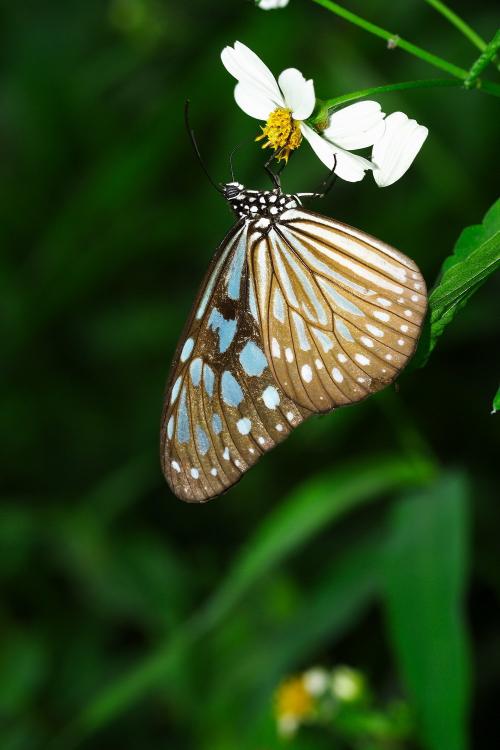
(340,311)
(223,408)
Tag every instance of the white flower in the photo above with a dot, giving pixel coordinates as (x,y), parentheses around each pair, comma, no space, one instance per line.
(285,105)
(272,4)
(347,684)
(315,681)
(287,725)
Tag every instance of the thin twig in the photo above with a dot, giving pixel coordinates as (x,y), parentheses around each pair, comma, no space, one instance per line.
(458,23)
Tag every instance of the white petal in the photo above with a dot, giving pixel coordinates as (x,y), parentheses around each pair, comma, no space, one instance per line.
(324,150)
(298,93)
(351,167)
(348,166)
(394,153)
(249,69)
(356,126)
(253,103)
(271,4)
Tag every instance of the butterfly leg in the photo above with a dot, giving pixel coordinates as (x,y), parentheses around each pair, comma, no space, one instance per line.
(275,176)
(325,186)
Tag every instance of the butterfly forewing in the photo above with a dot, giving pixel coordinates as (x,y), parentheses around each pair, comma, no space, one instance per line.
(340,311)
(223,407)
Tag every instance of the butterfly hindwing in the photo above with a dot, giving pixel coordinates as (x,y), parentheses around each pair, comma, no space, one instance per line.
(340,311)
(223,408)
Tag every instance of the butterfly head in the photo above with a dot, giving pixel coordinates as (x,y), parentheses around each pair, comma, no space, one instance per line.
(258,204)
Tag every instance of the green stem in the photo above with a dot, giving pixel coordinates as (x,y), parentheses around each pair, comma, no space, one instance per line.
(432,59)
(328,104)
(487,56)
(321,116)
(458,23)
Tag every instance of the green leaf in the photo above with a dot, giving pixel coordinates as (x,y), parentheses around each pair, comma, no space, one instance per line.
(496,402)
(425,578)
(305,513)
(329,608)
(475,257)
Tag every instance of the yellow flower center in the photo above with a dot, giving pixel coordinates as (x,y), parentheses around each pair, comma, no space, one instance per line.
(293,700)
(282,132)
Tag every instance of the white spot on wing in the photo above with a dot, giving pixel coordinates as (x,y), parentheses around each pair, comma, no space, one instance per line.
(362,359)
(252,304)
(271,397)
(337,375)
(195,370)
(374,330)
(253,359)
(175,389)
(306,373)
(341,327)
(339,299)
(213,278)
(383,316)
(244,425)
(300,328)
(324,339)
(187,349)
(278,305)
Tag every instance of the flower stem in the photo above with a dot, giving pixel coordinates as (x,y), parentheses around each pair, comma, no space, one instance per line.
(321,116)
(458,23)
(487,56)
(432,59)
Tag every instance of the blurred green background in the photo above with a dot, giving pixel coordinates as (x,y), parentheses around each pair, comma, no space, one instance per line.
(129,619)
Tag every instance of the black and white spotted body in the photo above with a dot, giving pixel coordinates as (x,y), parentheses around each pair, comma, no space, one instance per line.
(258,204)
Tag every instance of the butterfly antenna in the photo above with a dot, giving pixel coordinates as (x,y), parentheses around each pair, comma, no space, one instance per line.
(196,147)
(231,155)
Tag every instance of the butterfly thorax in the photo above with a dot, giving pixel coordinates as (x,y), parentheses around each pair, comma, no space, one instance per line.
(258,204)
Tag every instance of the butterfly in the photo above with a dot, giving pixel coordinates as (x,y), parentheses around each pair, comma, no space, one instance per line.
(298,314)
